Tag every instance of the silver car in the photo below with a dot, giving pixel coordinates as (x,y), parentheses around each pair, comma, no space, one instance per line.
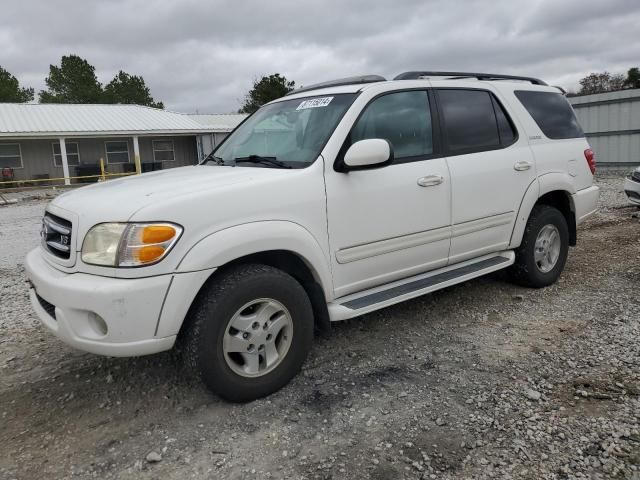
(632,187)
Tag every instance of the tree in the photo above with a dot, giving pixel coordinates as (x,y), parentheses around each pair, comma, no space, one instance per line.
(601,82)
(633,78)
(74,81)
(264,90)
(125,88)
(10,90)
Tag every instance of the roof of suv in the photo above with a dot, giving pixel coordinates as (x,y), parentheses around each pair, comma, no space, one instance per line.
(359,83)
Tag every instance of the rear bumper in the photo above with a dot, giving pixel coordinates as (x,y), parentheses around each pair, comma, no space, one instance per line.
(102,315)
(585,202)
(632,191)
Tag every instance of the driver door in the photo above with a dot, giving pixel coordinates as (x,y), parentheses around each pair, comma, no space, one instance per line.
(391,222)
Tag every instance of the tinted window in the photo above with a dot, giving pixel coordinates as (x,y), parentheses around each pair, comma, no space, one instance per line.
(552,113)
(505,127)
(402,118)
(470,122)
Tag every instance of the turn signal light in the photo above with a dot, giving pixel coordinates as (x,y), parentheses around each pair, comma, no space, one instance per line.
(158,233)
(149,253)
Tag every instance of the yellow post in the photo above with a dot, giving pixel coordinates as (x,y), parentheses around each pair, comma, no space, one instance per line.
(102,175)
(136,155)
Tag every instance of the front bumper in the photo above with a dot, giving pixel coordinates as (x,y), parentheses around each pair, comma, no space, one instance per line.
(102,315)
(632,190)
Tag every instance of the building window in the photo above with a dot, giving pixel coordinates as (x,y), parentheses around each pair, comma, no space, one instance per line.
(10,155)
(73,154)
(163,151)
(117,152)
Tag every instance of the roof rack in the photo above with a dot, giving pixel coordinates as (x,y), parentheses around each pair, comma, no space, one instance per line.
(461,75)
(341,81)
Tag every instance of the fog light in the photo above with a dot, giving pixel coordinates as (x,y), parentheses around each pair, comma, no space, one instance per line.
(97,324)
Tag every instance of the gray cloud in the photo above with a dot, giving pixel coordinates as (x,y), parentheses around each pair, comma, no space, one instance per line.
(204,56)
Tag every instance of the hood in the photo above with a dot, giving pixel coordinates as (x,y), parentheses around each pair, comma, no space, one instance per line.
(118,200)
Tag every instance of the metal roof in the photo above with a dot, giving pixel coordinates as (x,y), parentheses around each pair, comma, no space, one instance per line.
(607,97)
(221,122)
(78,120)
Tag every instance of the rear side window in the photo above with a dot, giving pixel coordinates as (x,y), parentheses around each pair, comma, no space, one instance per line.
(474,121)
(505,127)
(552,112)
(402,118)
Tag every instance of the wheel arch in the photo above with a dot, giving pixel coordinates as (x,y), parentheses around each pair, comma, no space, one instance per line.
(280,244)
(287,261)
(555,190)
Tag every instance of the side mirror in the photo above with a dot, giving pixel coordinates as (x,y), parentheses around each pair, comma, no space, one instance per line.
(368,153)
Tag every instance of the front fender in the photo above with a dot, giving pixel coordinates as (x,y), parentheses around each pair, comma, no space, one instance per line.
(224,246)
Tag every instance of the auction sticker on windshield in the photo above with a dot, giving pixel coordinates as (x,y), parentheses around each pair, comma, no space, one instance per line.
(315,103)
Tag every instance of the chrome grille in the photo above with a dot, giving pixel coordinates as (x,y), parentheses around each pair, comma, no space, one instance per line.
(56,235)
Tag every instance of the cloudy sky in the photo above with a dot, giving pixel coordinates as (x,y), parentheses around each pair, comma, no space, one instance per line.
(203,55)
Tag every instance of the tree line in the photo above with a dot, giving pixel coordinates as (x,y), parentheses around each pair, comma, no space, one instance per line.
(271,87)
(75,81)
(601,82)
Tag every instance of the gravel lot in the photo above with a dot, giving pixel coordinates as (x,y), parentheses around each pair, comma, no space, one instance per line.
(482,380)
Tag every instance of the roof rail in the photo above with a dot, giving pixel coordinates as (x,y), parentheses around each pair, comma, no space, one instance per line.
(460,75)
(341,81)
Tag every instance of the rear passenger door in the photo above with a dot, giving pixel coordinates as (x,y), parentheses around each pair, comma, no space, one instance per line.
(491,167)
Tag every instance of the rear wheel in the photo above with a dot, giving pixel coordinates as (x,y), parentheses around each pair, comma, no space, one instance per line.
(542,255)
(249,332)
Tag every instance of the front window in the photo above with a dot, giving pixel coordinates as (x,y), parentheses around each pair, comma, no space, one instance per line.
(401,118)
(292,132)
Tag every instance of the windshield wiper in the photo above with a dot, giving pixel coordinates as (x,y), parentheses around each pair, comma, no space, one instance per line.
(212,157)
(263,160)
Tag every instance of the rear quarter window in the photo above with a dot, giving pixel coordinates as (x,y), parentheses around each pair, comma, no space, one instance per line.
(552,112)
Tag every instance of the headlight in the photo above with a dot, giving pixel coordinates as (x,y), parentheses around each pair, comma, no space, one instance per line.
(129,244)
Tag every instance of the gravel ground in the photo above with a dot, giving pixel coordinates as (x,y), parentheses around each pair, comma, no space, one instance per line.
(481,380)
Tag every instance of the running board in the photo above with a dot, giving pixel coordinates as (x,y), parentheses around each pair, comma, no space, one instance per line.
(379,297)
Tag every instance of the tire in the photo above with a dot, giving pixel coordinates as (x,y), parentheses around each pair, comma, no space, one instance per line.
(527,270)
(242,297)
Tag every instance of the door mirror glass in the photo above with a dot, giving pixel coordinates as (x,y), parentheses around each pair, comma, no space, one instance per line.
(367,153)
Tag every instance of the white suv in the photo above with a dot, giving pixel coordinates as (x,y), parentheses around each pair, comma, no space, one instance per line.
(334,201)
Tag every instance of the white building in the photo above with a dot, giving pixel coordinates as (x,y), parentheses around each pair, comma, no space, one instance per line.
(220,125)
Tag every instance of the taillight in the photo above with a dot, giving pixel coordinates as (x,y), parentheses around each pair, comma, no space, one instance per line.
(591,160)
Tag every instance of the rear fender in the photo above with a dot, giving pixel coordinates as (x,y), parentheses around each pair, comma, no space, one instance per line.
(556,181)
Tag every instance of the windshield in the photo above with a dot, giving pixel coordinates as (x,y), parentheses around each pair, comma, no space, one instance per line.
(290,132)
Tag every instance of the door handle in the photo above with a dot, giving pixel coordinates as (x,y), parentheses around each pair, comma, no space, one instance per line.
(430,180)
(522,166)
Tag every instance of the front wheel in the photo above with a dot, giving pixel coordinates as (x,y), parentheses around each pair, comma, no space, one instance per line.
(543,253)
(249,332)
